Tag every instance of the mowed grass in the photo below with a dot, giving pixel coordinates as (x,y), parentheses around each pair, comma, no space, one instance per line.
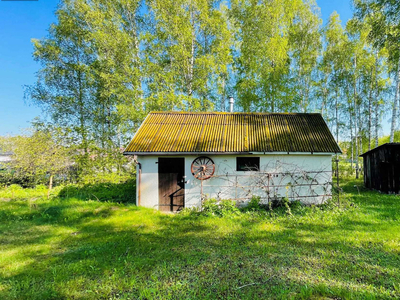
(76,249)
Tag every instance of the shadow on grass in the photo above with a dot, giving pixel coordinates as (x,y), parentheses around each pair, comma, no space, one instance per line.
(108,250)
(186,261)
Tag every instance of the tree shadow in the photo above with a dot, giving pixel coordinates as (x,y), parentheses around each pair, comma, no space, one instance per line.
(129,252)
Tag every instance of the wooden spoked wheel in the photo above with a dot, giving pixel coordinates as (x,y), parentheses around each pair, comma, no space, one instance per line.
(203,168)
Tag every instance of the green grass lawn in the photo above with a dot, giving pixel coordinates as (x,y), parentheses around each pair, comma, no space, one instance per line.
(67,248)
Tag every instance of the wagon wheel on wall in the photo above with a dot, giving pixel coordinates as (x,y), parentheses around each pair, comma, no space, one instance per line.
(203,168)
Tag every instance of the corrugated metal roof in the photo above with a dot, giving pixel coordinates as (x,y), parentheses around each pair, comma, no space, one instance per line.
(219,132)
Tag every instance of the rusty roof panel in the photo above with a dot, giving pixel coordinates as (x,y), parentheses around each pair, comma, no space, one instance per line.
(232,132)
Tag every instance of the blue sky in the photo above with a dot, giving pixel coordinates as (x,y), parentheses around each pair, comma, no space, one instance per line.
(20,21)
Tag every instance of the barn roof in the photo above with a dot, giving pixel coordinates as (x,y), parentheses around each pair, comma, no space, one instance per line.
(386,145)
(217,132)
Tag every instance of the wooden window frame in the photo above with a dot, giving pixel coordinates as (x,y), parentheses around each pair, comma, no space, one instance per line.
(254,160)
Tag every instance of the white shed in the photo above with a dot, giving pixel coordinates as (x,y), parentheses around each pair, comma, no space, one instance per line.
(183,157)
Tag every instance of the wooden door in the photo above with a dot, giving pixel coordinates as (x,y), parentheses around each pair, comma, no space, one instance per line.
(171,186)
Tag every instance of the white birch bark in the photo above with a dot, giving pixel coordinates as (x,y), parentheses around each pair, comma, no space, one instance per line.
(395,102)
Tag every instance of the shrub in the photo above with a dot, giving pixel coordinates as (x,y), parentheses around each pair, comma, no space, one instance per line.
(285,202)
(254,204)
(219,208)
(124,192)
(210,206)
(8,178)
(228,207)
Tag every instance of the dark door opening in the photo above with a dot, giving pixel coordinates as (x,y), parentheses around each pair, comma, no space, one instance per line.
(171,185)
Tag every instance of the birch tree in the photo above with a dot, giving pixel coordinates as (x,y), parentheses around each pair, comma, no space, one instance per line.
(90,77)
(187,54)
(114,35)
(384,16)
(305,47)
(335,62)
(263,63)
(64,87)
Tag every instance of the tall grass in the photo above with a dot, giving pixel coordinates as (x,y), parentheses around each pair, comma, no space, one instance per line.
(121,192)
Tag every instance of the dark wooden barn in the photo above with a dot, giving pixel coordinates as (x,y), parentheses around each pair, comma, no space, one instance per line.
(382,168)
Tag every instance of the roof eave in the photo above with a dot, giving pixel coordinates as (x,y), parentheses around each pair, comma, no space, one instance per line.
(379,147)
(231,153)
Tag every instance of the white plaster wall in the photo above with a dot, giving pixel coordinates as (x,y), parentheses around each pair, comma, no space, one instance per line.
(224,187)
(149,181)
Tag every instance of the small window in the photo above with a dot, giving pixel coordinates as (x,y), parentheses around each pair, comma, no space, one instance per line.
(247,163)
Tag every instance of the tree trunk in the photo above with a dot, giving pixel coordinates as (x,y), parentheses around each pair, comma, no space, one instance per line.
(351,141)
(393,124)
(376,100)
(223,96)
(50,186)
(337,126)
(377,120)
(301,90)
(191,60)
(324,95)
(82,117)
(356,114)
(370,118)
(394,112)
(272,96)
(337,116)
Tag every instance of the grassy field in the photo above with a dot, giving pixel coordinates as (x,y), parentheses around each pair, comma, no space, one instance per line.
(69,248)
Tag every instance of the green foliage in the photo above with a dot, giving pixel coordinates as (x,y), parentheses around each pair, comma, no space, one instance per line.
(9,177)
(275,207)
(105,64)
(187,55)
(221,208)
(386,139)
(117,192)
(285,201)
(107,177)
(345,167)
(89,83)
(384,21)
(254,203)
(268,34)
(383,15)
(121,192)
(36,158)
(212,207)
(346,170)
(305,39)
(227,207)
(18,192)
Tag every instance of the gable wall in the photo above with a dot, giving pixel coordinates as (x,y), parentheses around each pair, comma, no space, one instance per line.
(239,184)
